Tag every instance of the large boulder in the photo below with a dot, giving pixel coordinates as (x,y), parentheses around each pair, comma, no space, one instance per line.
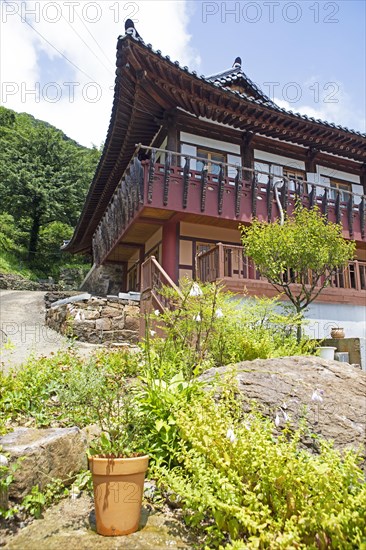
(330,394)
(55,453)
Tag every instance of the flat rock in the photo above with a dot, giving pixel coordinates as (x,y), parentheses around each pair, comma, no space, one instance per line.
(71,525)
(54,453)
(104,323)
(287,385)
(110,311)
(72,299)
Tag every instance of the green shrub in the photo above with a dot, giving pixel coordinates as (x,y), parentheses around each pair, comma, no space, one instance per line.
(238,483)
(160,403)
(29,392)
(209,327)
(62,389)
(240,486)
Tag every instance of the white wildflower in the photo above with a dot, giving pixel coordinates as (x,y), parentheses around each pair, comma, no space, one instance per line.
(195,290)
(75,492)
(77,316)
(285,416)
(277,420)
(197,318)
(152,332)
(157,312)
(317,396)
(219,314)
(230,435)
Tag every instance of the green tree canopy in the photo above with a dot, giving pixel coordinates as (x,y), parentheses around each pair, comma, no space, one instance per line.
(300,257)
(44,176)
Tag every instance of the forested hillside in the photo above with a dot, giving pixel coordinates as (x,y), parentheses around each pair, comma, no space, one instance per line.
(44,178)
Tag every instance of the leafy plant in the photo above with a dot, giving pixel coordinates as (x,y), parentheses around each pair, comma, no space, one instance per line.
(122,425)
(61,389)
(306,251)
(34,502)
(38,500)
(7,471)
(209,327)
(161,402)
(238,483)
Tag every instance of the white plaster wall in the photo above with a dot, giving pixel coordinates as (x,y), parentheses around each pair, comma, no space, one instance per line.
(339,174)
(278,159)
(211,143)
(323,317)
(191,141)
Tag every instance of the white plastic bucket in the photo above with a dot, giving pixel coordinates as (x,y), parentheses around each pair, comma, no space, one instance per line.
(326,352)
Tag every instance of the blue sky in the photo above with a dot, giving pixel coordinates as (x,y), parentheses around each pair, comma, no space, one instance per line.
(324,44)
(309,56)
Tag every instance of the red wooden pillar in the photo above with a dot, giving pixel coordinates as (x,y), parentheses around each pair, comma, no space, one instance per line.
(170,244)
(363,178)
(310,161)
(247,155)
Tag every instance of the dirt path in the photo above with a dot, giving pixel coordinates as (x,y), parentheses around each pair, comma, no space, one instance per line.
(23,329)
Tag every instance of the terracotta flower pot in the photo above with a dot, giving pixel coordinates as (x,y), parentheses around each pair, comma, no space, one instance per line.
(118,488)
(337,333)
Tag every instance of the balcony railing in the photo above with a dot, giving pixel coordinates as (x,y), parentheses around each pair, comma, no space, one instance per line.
(230,262)
(222,190)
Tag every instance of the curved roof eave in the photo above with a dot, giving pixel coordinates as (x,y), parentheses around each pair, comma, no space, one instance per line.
(103,184)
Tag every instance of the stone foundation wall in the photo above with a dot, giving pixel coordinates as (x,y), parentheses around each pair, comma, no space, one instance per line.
(9,281)
(96,320)
(103,280)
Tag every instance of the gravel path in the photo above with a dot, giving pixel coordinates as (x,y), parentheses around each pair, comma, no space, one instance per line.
(23,329)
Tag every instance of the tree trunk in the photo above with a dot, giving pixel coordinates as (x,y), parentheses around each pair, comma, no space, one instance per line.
(299,327)
(299,333)
(33,239)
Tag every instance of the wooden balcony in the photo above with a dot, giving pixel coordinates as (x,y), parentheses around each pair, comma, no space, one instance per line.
(225,192)
(238,273)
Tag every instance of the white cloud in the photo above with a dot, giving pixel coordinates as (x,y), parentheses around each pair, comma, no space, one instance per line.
(328,102)
(29,60)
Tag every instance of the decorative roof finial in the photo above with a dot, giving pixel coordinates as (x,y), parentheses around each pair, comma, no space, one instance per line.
(237,63)
(130,29)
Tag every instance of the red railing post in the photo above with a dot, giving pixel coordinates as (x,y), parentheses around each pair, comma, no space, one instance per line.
(221,261)
(357,275)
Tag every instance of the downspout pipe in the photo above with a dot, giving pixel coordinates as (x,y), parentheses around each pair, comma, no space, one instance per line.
(277,184)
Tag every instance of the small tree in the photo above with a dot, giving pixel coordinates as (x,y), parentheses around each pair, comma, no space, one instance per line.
(299,257)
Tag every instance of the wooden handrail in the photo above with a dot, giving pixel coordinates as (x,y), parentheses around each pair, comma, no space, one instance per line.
(168,281)
(228,261)
(236,166)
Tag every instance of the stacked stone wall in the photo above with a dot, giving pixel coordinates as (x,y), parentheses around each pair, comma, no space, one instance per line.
(103,280)
(96,320)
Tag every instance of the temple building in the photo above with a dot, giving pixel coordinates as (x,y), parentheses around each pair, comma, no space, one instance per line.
(188,158)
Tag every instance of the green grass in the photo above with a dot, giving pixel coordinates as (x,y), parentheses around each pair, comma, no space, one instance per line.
(11,264)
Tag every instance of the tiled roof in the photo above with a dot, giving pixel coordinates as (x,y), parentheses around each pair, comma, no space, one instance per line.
(216,80)
(237,76)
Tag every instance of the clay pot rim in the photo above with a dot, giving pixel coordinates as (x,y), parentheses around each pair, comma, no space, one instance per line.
(100,458)
(118,466)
